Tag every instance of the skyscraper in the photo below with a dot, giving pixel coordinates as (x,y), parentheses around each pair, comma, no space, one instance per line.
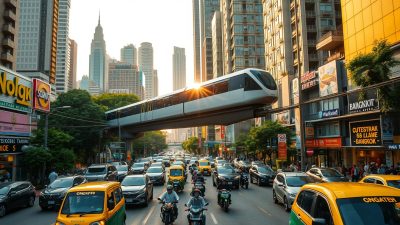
(196,41)
(37,40)
(145,60)
(216,32)
(98,59)
(124,76)
(73,46)
(155,83)
(9,35)
(179,68)
(63,48)
(129,54)
(84,83)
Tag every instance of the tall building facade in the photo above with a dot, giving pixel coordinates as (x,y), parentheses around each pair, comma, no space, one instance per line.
(216,34)
(146,65)
(178,68)
(9,34)
(37,40)
(196,40)
(129,54)
(124,77)
(155,83)
(63,47)
(84,83)
(98,60)
(73,46)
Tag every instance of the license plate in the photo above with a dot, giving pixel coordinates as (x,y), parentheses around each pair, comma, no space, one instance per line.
(229,182)
(129,200)
(51,202)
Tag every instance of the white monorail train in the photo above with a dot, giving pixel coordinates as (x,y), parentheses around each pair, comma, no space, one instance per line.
(243,88)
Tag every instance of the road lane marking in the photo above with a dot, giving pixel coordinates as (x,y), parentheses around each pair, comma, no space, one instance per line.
(213,218)
(148,215)
(264,211)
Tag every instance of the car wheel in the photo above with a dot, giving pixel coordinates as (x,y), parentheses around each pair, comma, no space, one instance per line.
(2,210)
(286,204)
(274,197)
(31,201)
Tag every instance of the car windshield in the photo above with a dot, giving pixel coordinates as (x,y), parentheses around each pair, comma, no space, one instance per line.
(137,165)
(226,170)
(154,170)
(265,170)
(4,190)
(370,210)
(133,181)
(297,181)
(394,183)
(122,168)
(175,172)
(331,173)
(96,170)
(83,202)
(204,163)
(61,183)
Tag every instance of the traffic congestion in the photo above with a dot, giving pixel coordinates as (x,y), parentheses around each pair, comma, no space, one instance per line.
(177,188)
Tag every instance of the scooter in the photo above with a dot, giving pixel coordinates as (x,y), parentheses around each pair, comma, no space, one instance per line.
(199,185)
(196,215)
(225,199)
(167,213)
(244,180)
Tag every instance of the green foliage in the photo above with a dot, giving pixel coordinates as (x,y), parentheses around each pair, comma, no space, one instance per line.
(374,68)
(191,145)
(63,159)
(35,157)
(56,139)
(150,142)
(112,101)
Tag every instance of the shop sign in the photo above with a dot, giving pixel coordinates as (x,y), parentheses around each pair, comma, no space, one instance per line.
(282,148)
(365,133)
(393,146)
(370,103)
(309,80)
(324,143)
(41,96)
(15,91)
(309,131)
(12,123)
(328,82)
(12,145)
(330,113)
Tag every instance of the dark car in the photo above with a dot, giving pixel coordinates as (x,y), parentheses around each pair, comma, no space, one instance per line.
(137,189)
(138,168)
(225,176)
(166,162)
(16,194)
(156,174)
(123,171)
(244,165)
(53,195)
(261,175)
(326,175)
(146,161)
(101,172)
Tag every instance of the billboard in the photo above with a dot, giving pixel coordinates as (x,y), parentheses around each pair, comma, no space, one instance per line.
(282,149)
(13,123)
(41,96)
(365,133)
(12,145)
(328,81)
(282,117)
(369,103)
(309,80)
(15,91)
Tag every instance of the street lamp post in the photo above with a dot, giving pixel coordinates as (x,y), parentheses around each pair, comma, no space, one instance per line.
(46,123)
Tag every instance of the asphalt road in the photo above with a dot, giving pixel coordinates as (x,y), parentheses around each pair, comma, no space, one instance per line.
(251,206)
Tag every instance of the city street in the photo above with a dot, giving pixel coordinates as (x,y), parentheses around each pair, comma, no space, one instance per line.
(252,206)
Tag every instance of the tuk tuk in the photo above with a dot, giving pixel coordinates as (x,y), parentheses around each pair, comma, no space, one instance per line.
(176,177)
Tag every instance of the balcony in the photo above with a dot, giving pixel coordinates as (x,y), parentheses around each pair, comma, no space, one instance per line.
(330,40)
(335,56)
(8,42)
(9,29)
(11,3)
(7,57)
(9,15)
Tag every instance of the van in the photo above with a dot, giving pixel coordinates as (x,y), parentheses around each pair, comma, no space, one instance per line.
(95,203)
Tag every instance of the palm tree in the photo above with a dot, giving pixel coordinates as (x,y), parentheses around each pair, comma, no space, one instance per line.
(374,68)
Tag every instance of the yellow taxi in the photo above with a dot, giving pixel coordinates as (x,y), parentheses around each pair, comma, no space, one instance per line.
(387,180)
(204,167)
(176,177)
(346,204)
(94,203)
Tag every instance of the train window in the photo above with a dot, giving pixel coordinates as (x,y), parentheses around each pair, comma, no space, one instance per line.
(250,84)
(265,78)
(221,87)
(236,82)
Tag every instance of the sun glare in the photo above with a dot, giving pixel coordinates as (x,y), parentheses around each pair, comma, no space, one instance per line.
(194,86)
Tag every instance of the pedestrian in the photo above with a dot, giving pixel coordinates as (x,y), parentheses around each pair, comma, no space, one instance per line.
(355,173)
(366,169)
(53,176)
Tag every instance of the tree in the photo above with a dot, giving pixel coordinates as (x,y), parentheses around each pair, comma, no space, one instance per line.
(35,159)
(112,101)
(57,139)
(191,145)
(151,142)
(374,68)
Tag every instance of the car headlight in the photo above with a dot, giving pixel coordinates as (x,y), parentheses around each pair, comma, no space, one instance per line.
(59,223)
(98,223)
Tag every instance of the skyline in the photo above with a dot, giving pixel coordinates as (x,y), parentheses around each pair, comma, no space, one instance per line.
(157,24)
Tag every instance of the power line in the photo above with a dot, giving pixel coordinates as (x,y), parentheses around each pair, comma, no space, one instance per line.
(79,117)
(89,121)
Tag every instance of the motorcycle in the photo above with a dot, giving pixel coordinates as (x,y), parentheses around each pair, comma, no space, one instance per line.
(196,215)
(198,184)
(244,180)
(225,199)
(167,213)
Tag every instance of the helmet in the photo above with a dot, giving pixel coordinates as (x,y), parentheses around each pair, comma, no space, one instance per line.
(196,190)
(169,187)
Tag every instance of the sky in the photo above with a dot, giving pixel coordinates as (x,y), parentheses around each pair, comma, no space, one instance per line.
(164,23)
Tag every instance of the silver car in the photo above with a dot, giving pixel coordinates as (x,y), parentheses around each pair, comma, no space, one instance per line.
(286,186)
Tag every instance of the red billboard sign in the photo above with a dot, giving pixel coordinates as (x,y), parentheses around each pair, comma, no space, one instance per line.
(282,148)
(324,143)
(41,95)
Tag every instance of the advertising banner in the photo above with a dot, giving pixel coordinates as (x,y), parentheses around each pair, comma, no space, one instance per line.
(12,123)
(330,113)
(15,91)
(297,127)
(370,103)
(41,96)
(309,131)
(309,80)
(12,145)
(324,143)
(282,117)
(365,133)
(282,148)
(328,82)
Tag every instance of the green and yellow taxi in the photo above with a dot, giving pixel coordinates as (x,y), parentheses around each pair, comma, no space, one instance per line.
(176,177)
(204,167)
(346,204)
(386,180)
(94,203)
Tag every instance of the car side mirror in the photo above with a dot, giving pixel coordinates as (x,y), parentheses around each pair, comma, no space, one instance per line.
(319,221)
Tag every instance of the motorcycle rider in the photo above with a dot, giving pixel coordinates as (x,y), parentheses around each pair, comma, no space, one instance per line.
(198,202)
(170,196)
(221,188)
